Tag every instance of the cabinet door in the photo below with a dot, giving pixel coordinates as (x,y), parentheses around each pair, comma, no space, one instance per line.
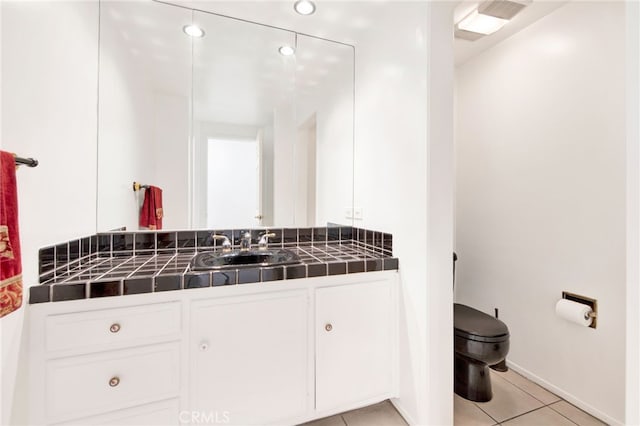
(354,335)
(249,358)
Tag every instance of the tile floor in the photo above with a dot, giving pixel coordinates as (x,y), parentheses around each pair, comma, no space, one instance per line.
(381,414)
(519,402)
(516,402)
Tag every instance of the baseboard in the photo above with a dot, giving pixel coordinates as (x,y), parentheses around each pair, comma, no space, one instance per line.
(565,395)
(404,413)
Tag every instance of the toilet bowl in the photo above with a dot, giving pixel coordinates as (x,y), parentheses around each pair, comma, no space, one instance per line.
(480,340)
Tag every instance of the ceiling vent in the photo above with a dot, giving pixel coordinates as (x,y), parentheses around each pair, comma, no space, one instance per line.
(503,9)
(488,18)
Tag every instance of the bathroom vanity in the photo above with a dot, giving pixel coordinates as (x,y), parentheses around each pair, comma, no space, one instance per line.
(293,346)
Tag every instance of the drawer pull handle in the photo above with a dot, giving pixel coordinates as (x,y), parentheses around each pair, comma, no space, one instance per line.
(114,328)
(328,327)
(204,346)
(115,381)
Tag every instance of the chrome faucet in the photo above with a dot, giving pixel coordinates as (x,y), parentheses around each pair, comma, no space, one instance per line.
(226,244)
(264,240)
(245,241)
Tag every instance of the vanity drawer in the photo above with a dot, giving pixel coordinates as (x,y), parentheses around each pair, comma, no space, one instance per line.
(119,327)
(156,414)
(92,384)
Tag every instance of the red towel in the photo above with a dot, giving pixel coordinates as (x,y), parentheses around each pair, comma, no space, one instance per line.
(10,260)
(151,213)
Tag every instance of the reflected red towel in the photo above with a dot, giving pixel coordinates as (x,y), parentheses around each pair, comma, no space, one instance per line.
(151,213)
(10,260)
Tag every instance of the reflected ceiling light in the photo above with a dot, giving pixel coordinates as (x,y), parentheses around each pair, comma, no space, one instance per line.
(286,50)
(193,30)
(304,7)
(481,23)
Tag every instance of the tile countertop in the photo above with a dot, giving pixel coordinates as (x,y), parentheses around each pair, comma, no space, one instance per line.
(98,275)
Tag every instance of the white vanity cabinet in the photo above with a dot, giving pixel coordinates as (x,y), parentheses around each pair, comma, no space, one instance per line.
(355,331)
(249,357)
(280,353)
(119,360)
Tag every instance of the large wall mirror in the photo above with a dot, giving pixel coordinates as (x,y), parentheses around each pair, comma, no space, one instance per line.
(235,133)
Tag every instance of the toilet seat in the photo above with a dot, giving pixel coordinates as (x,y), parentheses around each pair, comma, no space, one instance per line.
(471,324)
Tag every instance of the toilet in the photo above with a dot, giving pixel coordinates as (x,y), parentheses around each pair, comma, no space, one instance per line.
(480,340)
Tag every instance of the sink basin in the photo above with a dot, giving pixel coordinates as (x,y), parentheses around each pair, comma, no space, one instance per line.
(243,259)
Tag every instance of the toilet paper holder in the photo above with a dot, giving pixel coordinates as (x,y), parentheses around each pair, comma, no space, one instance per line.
(592,303)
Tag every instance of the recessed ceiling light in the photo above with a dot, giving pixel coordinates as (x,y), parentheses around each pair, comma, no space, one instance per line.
(286,50)
(481,23)
(304,7)
(193,31)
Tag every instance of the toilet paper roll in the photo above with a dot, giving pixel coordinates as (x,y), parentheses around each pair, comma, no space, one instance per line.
(575,312)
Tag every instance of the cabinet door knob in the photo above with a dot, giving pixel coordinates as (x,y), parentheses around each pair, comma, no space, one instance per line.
(204,346)
(114,381)
(115,327)
(328,327)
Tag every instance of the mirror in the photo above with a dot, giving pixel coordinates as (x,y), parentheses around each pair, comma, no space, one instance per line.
(144,101)
(243,114)
(235,133)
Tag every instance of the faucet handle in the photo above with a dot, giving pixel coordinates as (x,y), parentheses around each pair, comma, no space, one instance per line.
(264,239)
(226,244)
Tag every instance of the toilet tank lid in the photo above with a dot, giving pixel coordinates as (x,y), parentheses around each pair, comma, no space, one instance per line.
(476,323)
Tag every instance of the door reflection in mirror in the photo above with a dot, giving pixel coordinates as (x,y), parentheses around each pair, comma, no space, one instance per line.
(233,187)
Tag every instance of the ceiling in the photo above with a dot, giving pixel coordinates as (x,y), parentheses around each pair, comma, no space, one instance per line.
(349,21)
(238,61)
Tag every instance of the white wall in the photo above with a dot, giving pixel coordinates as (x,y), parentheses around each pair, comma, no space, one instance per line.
(633,213)
(144,137)
(126,131)
(403,182)
(284,136)
(334,156)
(330,104)
(440,216)
(332,114)
(49,98)
(267,175)
(540,204)
(169,156)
